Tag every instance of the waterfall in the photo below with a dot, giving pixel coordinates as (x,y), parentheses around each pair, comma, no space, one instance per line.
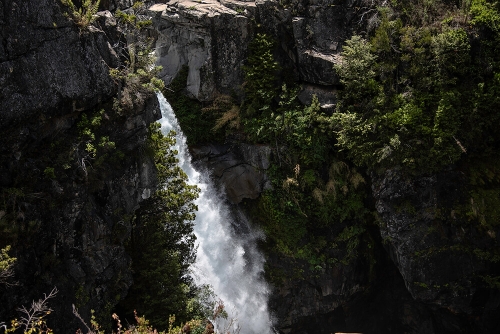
(227,258)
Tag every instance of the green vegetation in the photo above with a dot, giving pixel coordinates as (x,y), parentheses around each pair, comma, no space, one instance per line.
(420,93)
(6,265)
(315,192)
(162,243)
(260,75)
(84,15)
(420,96)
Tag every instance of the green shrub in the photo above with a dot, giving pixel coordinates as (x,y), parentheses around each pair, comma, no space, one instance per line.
(416,103)
(6,265)
(485,13)
(84,15)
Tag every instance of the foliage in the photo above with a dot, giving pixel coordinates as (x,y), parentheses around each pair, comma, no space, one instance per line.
(228,113)
(356,69)
(33,319)
(484,176)
(162,243)
(49,173)
(313,192)
(485,13)
(6,265)
(94,150)
(83,16)
(137,83)
(423,92)
(260,75)
(138,44)
(138,79)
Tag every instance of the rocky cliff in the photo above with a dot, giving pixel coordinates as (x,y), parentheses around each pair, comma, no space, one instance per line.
(65,211)
(212,37)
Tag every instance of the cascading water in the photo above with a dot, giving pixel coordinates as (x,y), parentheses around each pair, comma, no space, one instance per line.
(228,261)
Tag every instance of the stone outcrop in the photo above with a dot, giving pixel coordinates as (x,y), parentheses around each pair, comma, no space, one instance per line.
(207,36)
(48,66)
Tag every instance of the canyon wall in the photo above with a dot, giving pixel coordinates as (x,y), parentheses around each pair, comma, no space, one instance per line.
(65,213)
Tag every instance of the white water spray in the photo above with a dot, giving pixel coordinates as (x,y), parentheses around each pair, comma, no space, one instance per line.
(227,258)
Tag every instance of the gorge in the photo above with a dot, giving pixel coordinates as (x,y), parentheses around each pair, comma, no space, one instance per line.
(359,136)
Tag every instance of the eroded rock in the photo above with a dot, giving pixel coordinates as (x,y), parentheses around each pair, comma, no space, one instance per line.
(47,64)
(74,212)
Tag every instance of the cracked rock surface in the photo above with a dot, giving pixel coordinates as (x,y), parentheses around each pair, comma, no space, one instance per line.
(48,65)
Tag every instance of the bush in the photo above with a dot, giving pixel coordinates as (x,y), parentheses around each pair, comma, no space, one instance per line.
(84,15)
(412,97)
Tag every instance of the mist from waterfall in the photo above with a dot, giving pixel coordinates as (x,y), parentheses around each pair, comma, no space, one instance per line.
(227,258)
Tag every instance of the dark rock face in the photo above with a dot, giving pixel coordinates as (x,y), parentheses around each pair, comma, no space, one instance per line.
(47,65)
(436,250)
(73,227)
(240,169)
(357,305)
(315,304)
(66,214)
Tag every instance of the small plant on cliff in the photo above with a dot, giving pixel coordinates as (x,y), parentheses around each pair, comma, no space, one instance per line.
(138,44)
(84,15)
(6,265)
